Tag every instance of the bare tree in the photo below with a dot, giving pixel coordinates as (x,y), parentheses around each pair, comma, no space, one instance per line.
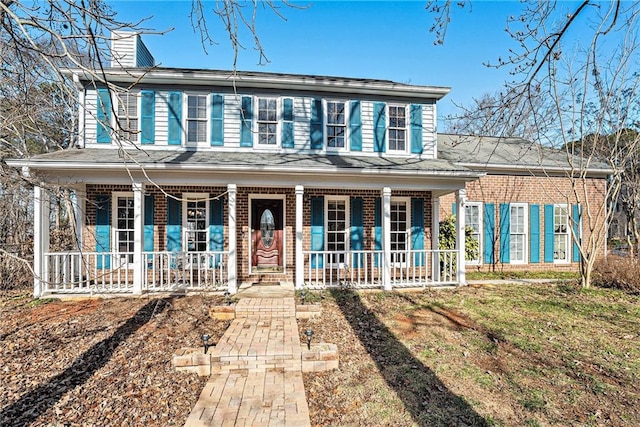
(566,88)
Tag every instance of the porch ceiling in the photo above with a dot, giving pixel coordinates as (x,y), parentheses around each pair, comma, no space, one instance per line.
(98,165)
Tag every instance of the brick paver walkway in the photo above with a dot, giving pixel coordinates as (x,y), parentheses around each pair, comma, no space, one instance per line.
(256,378)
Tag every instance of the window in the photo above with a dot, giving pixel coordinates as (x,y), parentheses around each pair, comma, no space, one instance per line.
(560,233)
(267,121)
(336,124)
(397,128)
(196,119)
(124,226)
(400,227)
(196,222)
(128,116)
(518,233)
(473,219)
(337,229)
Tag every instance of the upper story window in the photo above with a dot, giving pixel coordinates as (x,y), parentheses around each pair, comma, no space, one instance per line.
(267,119)
(518,233)
(336,124)
(561,233)
(128,116)
(397,128)
(473,220)
(196,119)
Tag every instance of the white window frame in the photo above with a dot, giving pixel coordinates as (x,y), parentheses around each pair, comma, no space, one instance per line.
(325,105)
(347,219)
(566,233)
(256,122)
(406,128)
(123,130)
(524,234)
(114,224)
(191,197)
(479,232)
(407,232)
(206,119)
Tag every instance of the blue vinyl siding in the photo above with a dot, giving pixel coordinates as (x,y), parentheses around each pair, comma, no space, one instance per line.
(505,237)
(287,123)
(417,229)
(379,127)
(149,209)
(147,117)
(103,130)
(217,120)
(317,230)
(548,233)
(174,127)
(357,230)
(103,230)
(377,229)
(534,234)
(216,227)
(316,125)
(489,232)
(416,128)
(174,225)
(246,120)
(355,126)
(577,225)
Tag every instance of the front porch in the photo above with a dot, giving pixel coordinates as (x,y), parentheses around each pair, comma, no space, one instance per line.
(329,239)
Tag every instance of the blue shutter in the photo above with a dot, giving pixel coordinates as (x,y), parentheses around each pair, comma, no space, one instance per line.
(216,228)
(174,225)
(246,118)
(288,140)
(534,234)
(377,229)
(489,232)
(505,236)
(217,120)
(148,223)
(577,226)
(379,127)
(315,125)
(317,230)
(417,229)
(355,126)
(147,117)
(416,128)
(174,127)
(103,134)
(357,230)
(103,230)
(548,233)
(454,208)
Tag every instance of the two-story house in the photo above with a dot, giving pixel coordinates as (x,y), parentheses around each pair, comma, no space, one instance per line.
(206,180)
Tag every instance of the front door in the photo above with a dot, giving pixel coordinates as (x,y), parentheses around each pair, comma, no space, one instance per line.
(267,235)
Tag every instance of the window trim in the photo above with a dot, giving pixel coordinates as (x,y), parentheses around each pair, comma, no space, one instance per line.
(255,124)
(567,233)
(525,242)
(480,206)
(325,113)
(347,225)
(207,119)
(407,232)
(114,224)
(406,128)
(190,197)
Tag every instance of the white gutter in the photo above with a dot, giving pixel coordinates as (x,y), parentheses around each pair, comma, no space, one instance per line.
(536,168)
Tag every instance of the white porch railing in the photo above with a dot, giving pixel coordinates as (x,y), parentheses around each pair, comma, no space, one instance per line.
(111,272)
(364,269)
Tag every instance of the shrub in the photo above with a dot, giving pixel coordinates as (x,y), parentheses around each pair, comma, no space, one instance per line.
(448,237)
(617,273)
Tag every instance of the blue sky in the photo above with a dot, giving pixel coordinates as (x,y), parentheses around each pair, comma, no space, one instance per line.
(381,40)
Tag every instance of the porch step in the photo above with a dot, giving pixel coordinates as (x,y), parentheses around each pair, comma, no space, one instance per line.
(270,308)
(279,290)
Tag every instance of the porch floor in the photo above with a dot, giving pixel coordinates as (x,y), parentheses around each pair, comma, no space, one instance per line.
(256,375)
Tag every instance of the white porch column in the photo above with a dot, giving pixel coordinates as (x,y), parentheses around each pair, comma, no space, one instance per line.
(386,238)
(41,223)
(78,211)
(138,233)
(299,224)
(435,238)
(233,245)
(461,200)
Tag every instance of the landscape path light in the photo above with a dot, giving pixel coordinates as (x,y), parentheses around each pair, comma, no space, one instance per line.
(309,334)
(205,342)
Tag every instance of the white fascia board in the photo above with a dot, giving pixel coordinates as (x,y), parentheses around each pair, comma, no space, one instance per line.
(281,82)
(556,170)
